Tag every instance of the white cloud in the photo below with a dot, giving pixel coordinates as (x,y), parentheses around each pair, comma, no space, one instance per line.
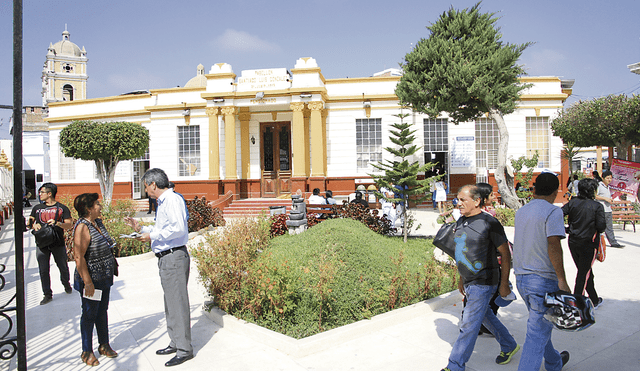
(244,42)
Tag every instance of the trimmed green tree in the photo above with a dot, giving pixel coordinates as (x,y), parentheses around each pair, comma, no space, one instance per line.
(612,121)
(400,172)
(105,143)
(464,69)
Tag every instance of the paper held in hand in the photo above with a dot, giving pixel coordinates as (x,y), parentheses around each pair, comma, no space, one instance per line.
(132,235)
(97,295)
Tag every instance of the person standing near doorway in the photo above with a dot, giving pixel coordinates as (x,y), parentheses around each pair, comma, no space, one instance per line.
(51,212)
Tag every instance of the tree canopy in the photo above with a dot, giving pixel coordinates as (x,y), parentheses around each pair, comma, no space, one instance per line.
(609,121)
(464,69)
(105,143)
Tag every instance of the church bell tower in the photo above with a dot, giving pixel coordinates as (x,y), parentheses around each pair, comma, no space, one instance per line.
(64,75)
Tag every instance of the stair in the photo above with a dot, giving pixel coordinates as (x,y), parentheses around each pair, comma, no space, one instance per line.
(254,206)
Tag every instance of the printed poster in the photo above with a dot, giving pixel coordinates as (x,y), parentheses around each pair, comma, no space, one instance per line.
(626,179)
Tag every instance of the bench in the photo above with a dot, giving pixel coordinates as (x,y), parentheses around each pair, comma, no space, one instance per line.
(323,209)
(624,212)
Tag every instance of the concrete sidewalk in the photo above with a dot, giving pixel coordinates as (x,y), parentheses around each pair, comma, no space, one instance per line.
(421,341)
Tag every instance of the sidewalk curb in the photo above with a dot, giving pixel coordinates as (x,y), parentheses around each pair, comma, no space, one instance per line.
(328,339)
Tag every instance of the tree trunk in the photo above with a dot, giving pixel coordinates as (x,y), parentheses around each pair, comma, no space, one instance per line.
(622,148)
(106,178)
(504,180)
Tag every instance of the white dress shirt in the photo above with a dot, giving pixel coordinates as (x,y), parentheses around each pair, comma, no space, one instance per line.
(171,229)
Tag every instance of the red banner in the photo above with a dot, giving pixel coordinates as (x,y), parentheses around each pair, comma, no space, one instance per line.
(626,179)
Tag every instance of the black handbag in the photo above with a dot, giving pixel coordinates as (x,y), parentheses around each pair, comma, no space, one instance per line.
(47,234)
(444,239)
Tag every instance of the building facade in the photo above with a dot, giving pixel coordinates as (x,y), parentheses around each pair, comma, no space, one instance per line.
(271,132)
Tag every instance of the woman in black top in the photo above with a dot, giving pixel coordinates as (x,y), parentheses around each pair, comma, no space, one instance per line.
(93,278)
(586,222)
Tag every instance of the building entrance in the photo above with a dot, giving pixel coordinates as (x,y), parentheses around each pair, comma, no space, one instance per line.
(275,158)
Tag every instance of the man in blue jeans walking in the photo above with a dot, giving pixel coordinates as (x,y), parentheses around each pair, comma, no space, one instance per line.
(479,237)
(539,269)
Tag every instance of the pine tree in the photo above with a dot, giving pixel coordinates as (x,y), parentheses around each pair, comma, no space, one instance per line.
(400,175)
(464,68)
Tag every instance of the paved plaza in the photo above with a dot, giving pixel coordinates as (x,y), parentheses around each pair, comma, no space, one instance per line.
(418,340)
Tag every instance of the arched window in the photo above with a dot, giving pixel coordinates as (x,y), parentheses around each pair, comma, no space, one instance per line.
(67,93)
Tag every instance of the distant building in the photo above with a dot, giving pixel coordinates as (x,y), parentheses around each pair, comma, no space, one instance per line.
(277,131)
(35,148)
(64,75)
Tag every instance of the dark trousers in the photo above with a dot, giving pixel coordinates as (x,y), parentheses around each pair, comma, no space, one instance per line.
(44,258)
(583,252)
(174,276)
(94,314)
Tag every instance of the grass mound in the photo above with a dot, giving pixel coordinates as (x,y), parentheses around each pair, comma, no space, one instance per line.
(336,273)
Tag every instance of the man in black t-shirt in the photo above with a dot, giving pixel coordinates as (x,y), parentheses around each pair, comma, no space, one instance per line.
(54,213)
(478,238)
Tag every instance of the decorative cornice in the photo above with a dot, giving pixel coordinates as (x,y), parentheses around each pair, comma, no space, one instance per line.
(173,107)
(177,89)
(544,97)
(97,116)
(297,106)
(299,71)
(353,80)
(216,76)
(99,100)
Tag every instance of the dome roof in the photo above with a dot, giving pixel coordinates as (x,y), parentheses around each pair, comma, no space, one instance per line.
(199,81)
(66,47)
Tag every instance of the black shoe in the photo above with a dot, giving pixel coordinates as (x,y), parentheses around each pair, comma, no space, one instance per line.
(565,357)
(68,289)
(167,350)
(617,245)
(148,212)
(46,300)
(597,303)
(177,360)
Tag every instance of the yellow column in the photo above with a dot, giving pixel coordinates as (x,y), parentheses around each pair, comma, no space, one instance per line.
(324,141)
(245,160)
(317,140)
(297,140)
(214,143)
(307,147)
(229,113)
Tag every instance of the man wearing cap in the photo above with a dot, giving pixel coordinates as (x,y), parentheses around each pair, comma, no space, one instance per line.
(539,269)
(168,238)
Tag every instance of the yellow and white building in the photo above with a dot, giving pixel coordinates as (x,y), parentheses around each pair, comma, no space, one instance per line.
(273,131)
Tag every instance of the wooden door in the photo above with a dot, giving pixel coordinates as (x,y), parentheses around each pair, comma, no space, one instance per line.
(275,158)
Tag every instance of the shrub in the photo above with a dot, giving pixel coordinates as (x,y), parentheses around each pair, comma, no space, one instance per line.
(358,212)
(334,274)
(226,255)
(202,215)
(113,218)
(279,225)
(506,216)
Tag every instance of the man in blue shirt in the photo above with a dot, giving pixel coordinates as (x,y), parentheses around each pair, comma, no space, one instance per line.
(168,238)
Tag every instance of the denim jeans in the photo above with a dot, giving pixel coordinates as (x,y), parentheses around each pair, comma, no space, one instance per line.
(94,314)
(476,313)
(537,343)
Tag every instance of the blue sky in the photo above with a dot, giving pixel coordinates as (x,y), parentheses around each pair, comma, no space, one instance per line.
(149,44)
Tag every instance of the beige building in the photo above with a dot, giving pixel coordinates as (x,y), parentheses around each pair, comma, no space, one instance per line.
(64,75)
